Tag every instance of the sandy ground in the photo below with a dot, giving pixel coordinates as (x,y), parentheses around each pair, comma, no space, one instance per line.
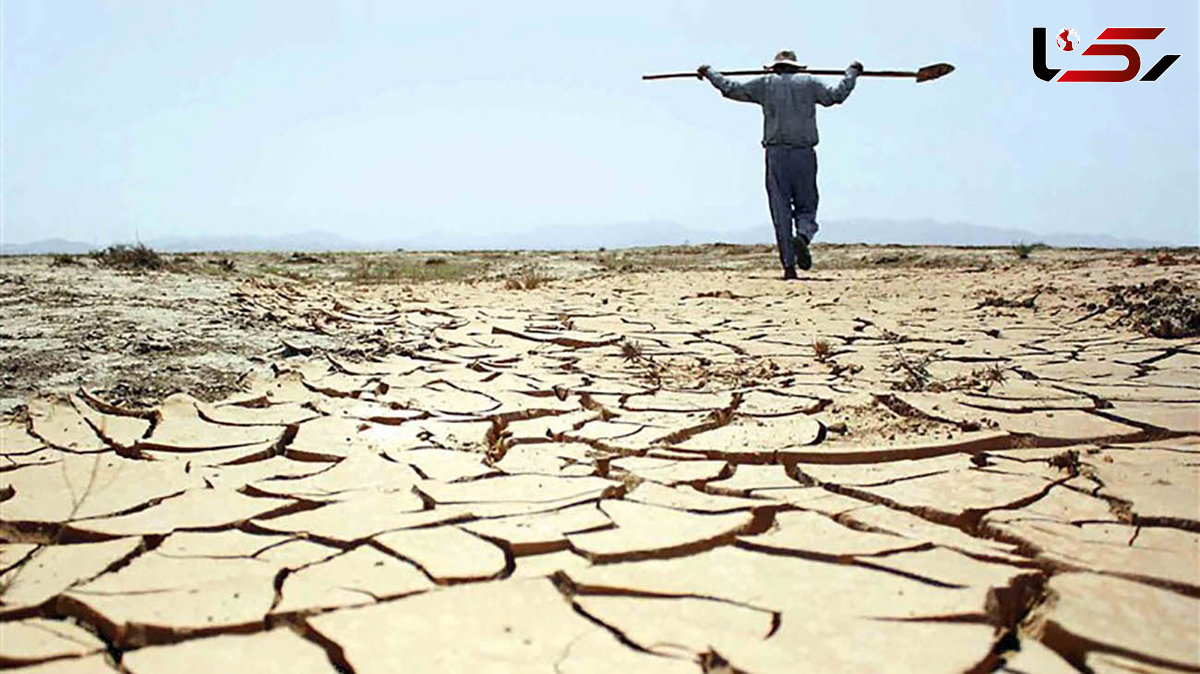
(913,459)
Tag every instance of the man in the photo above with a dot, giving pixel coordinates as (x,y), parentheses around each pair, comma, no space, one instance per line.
(788,99)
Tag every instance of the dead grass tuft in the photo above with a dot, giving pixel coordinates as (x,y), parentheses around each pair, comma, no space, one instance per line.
(527,281)
(918,378)
(822,350)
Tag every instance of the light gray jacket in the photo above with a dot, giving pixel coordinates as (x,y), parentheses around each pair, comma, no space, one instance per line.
(788,102)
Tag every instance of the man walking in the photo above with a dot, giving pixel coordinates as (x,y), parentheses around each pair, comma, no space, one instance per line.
(788,99)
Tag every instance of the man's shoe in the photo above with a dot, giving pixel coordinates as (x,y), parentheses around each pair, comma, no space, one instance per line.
(800,250)
(789,273)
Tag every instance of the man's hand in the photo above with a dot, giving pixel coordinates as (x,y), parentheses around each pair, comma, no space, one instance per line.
(856,66)
(701,70)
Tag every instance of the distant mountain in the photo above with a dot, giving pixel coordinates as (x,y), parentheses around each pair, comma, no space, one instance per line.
(931,232)
(307,241)
(313,240)
(45,246)
(622,235)
(619,235)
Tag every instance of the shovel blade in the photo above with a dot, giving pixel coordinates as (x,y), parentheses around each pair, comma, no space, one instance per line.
(934,71)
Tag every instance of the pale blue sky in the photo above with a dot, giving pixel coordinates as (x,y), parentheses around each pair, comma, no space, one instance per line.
(385,119)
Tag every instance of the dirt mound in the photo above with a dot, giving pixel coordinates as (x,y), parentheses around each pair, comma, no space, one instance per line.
(1162,308)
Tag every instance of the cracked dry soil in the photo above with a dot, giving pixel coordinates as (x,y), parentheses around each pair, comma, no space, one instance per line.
(637,472)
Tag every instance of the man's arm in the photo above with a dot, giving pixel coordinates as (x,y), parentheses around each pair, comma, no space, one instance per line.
(828,96)
(749,92)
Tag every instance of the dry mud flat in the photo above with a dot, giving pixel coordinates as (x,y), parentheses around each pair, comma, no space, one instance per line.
(869,470)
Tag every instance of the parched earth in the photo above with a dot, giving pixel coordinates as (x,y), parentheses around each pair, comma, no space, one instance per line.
(987,466)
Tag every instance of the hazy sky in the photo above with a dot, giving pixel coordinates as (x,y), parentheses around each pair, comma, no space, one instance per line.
(383,119)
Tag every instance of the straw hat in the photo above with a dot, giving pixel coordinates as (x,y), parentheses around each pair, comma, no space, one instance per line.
(786,57)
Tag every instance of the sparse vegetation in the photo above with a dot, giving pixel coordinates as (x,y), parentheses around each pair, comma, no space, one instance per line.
(979,379)
(196,263)
(130,258)
(61,260)
(1010,303)
(529,280)
(1023,250)
(991,374)
(613,262)
(822,350)
(901,258)
(918,378)
(304,258)
(632,351)
(291,274)
(406,270)
(916,373)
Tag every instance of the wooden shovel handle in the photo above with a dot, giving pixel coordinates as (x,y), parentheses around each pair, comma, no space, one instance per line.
(925,74)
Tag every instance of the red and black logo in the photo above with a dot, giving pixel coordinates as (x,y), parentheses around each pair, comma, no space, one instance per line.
(1068,41)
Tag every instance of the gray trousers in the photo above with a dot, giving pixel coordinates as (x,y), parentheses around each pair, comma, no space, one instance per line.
(792,195)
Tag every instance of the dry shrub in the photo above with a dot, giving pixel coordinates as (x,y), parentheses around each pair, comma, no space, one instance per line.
(303,258)
(527,281)
(632,351)
(132,258)
(1023,250)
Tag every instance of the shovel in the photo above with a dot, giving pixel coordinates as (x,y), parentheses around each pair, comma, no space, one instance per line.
(931,72)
